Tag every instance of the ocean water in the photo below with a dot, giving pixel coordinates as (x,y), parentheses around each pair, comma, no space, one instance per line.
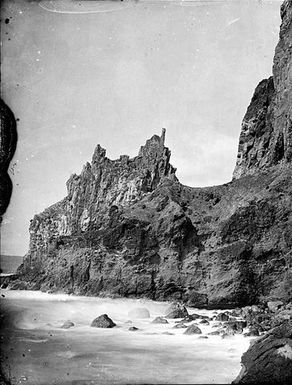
(9,263)
(35,350)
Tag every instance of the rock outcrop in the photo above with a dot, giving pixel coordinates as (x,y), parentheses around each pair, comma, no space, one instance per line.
(269,358)
(8,139)
(103,321)
(129,228)
(266,135)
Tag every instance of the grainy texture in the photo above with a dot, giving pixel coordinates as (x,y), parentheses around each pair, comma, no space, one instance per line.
(129,228)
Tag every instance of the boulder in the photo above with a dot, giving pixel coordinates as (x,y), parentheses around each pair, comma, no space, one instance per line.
(176,310)
(67,325)
(215,333)
(231,329)
(227,335)
(204,317)
(103,321)
(255,309)
(139,312)
(190,318)
(193,329)
(252,333)
(222,317)
(133,329)
(217,325)
(205,322)
(269,358)
(180,326)
(160,320)
(284,314)
(236,312)
(274,306)
(236,326)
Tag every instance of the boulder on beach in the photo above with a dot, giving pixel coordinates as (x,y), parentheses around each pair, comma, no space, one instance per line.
(190,318)
(253,332)
(103,321)
(193,316)
(204,317)
(217,325)
(222,317)
(67,325)
(179,325)
(133,329)
(235,326)
(205,322)
(193,329)
(139,312)
(227,335)
(176,310)
(274,306)
(269,358)
(160,320)
(215,333)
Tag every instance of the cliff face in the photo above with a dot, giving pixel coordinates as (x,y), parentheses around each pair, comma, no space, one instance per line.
(129,228)
(266,135)
(8,139)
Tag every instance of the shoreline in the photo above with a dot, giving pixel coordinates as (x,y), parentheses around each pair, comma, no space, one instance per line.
(164,347)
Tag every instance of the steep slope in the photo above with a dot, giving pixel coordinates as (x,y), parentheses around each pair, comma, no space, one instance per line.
(8,139)
(266,134)
(128,227)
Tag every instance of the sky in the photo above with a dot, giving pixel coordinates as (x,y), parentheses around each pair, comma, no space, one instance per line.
(79,73)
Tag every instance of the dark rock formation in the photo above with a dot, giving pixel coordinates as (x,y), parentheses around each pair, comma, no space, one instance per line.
(103,321)
(222,317)
(179,325)
(176,310)
(160,320)
(133,329)
(191,317)
(128,227)
(274,305)
(252,333)
(266,135)
(193,329)
(269,358)
(204,321)
(8,139)
(67,325)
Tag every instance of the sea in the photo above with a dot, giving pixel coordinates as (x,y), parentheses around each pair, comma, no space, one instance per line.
(36,350)
(10,263)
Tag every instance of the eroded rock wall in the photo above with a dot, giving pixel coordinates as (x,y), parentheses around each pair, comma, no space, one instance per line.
(129,228)
(266,134)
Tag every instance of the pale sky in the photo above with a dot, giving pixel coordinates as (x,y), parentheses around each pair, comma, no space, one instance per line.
(117,73)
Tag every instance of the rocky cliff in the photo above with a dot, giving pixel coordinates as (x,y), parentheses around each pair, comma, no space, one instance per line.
(8,139)
(129,228)
(266,134)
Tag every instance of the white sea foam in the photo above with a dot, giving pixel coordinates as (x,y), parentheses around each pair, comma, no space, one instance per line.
(154,357)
